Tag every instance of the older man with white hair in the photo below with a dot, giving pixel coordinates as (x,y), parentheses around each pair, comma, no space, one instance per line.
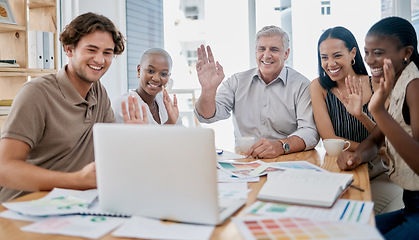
(271,102)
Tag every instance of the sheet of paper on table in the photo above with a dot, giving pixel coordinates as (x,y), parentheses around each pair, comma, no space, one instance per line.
(223,176)
(57,202)
(92,227)
(147,228)
(259,168)
(236,190)
(298,228)
(343,210)
(226,155)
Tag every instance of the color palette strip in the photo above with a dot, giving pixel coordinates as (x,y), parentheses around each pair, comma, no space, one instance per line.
(300,229)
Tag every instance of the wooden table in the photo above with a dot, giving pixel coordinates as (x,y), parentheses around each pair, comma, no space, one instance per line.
(10,229)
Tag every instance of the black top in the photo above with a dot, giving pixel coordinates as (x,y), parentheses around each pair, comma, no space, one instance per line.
(344,124)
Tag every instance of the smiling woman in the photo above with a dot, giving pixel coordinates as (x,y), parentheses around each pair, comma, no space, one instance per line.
(339,107)
(391,45)
(153,72)
(340,99)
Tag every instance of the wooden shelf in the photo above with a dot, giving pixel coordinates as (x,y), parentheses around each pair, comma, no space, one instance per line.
(30,15)
(4,27)
(17,72)
(40,4)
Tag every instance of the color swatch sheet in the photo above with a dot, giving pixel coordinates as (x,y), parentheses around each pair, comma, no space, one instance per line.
(58,202)
(224,176)
(343,210)
(259,168)
(264,228)
(245,169)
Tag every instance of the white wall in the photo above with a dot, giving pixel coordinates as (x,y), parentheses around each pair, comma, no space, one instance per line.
(115,80)
(356,15)
(227,33)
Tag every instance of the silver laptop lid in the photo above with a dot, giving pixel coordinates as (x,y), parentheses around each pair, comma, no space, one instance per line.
(165,172)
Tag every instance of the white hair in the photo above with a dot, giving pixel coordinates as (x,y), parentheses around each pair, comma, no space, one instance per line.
(274,30)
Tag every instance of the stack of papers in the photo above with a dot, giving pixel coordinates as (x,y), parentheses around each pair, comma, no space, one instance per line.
(4,110)
(300,182)
(9,65)
(77,213)
(66,212)
(250,170)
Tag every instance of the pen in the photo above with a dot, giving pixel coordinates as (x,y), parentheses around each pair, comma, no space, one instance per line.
(360,212)
(8,61)
(344,211)
(352,212)
(357,188)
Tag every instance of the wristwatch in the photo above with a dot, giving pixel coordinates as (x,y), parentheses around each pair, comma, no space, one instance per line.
(285,146)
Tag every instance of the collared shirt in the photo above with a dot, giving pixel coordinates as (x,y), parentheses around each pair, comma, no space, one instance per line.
(400,172)
(56,122)
(273,111)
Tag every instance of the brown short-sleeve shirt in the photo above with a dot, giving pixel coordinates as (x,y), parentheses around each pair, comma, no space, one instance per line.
(56,122)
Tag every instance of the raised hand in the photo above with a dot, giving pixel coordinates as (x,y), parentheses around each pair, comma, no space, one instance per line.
(353,102)
(171,108)
(377,102)
(210,73)
(134,116)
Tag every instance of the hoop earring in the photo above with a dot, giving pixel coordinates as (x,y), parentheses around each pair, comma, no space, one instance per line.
(405,62)
(353,62)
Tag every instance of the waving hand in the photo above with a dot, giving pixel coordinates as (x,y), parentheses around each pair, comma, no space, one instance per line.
(210,73)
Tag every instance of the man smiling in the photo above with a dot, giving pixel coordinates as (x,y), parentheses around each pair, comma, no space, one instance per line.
(270,102)
(47,140)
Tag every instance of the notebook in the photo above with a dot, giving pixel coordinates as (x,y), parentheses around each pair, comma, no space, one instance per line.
(305,187)
(164,172)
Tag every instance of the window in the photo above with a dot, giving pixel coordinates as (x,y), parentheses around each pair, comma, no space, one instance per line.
(325,7)
(191,12)
(192,58)
(144,30)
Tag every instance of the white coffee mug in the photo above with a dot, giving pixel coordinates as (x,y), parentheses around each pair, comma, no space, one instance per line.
(335,146)
(243,144)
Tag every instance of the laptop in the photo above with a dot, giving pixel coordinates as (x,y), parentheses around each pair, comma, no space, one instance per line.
(163,172)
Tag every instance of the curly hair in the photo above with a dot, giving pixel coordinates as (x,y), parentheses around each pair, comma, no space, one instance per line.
(88,23)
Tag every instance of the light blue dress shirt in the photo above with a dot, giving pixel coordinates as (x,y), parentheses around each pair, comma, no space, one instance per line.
(273,111)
